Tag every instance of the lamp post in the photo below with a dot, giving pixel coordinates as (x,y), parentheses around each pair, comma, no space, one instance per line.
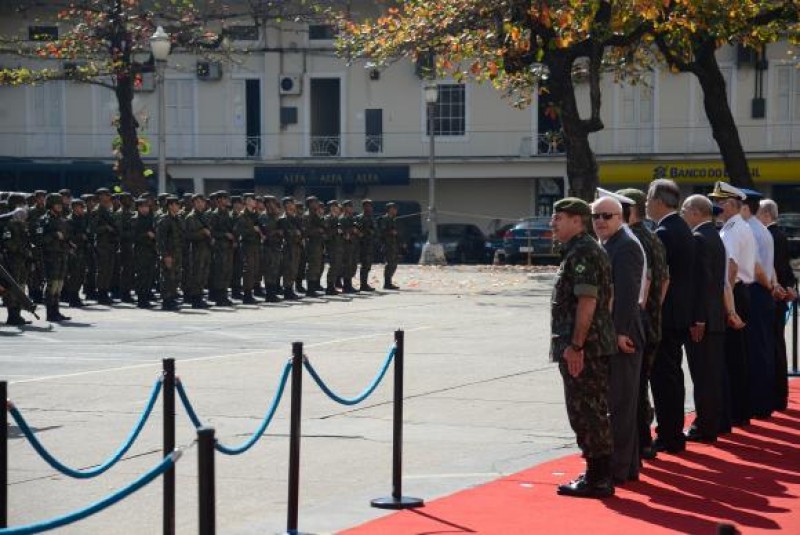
(160,46)
(432,251)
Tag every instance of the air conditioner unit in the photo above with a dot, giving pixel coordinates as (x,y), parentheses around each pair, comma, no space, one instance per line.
(209,70)
(290,84)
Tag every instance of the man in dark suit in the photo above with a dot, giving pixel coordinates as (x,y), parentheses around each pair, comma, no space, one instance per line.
(784,294)
(627,266)
(666,381)
(707,332)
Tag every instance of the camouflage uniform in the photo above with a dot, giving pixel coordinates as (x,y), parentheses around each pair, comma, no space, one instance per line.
(292,249)
(315,249)
(585,271)
(272,253)
(36,275)
(349,245)
(169,235)
(365,223)
(106,245)
(198,235)
(333,245)
(125,257)
(54,232)
(76,266)
(390,237)
(17,246)
(246,229)
(145,257)
(221,224)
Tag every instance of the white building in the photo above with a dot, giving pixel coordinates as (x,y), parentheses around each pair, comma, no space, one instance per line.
(289,117)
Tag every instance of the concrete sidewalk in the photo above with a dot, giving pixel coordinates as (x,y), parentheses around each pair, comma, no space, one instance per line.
(481,400)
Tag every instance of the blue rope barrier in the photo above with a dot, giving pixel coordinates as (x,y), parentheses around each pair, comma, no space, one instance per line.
(250,442)
(363,395)
(96,470)
(60,521)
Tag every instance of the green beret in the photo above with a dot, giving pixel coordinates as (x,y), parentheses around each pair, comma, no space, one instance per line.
(572,206)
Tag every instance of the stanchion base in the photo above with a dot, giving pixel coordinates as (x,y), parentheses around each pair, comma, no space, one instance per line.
(403,502)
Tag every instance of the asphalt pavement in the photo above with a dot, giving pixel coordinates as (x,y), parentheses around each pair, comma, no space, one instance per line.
(481,400)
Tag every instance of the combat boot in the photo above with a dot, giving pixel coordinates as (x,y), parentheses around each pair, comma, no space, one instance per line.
(222,299)
(144,303)
(387,285)
(289,295)
(75,300)
(595,483)
(248,299)
(272,295)
(236,294)
(298,287)
(331,291)
(15,318)
(258,291)
(127,297)
(198,303)
(103,298)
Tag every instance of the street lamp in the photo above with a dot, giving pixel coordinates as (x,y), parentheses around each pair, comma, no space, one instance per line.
(432,251)
(160,46)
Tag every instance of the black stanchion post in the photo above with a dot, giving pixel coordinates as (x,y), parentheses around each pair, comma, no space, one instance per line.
(206,490)
(397,500)
(4,455)
(794,371)
(294,439)
(168,388)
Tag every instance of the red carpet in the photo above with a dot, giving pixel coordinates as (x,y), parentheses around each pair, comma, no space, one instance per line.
(750,478)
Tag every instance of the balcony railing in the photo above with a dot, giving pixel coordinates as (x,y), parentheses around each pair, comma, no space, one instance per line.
(487,143)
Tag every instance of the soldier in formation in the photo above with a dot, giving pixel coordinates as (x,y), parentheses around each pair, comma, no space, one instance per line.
(109,248)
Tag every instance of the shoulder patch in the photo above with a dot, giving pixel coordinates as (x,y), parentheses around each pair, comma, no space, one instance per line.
(580,268)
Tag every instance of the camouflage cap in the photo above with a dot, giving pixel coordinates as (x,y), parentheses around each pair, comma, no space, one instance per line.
(270,198)
(88,197)
(142,201)
(246,196)
(287,200)
(77,202)
(172,199)
(572,206)
(15,199)
(347,202)
(198,196)
(53,199)
(366,201)
(65,191)
(39,193)
(391,205)
(310,199)
(236,199)
(102,191)
(333,202)
(222,194)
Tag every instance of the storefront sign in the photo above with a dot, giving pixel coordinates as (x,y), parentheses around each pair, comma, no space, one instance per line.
(697,172)
(397,175)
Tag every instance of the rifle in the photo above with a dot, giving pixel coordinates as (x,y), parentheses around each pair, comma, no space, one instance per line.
(16,291)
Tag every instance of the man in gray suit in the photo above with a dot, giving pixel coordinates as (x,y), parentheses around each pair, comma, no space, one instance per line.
(627,262)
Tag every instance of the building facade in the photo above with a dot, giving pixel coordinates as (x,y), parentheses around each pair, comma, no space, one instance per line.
(288,116)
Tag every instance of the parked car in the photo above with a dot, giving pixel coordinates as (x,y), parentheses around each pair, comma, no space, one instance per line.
(494,243)
(790,224)
(463,243)
(531,238)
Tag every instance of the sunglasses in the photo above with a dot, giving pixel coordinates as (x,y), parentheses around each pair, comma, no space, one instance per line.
(604,215)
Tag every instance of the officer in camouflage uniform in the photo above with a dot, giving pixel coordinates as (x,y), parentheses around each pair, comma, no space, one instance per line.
(333,246)
(249,235)
(272,248)
(221,224)
(198,236)
(583,339)
(78,223)
(54,232)
(315,246)
(349,246)
(90,280)
(125,225)
(144,252)
(302,262)
(390,236)
(365,223)
(169,235)
(106,244)
(36,275)
(292,245)
(17,246)
(237,207)
(658,275)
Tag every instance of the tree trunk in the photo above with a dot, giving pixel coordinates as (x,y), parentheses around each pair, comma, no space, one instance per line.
(582,170)
(723,126)
(131,167)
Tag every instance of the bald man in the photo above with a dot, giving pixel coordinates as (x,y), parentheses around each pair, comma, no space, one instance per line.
(627,262)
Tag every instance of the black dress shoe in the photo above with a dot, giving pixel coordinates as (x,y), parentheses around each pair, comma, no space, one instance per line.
(694,436)
(648,453)
(583,488)
(669,447)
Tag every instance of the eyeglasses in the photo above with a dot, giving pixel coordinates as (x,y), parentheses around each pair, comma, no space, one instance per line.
(604,215)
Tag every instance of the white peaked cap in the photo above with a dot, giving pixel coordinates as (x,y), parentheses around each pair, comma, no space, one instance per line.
(621,198)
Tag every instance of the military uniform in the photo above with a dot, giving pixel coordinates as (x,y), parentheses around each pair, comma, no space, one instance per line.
(106,245)
(198,236)
(365,223)
(17,246)
(292,245)
(315,246)
(221,224)
(76,265)
(333,246)
(390,238)
(349,247)
(272,250)
(36,277)
(125,257)
(237,269)
(246,229)
(54,232)
(585,271)
(169,234)
(145,255)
